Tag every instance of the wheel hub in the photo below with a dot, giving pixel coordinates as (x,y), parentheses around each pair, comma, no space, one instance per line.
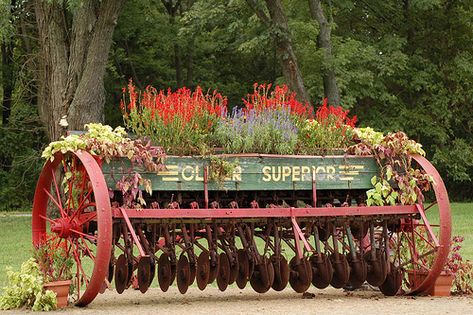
(63,228)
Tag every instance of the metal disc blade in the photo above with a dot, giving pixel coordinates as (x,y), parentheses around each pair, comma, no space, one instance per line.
(341,271)
(223,276)
(203,270)
(183,274)
(377,270)
(110,271)
(144,273)
(243,269)
(392,284)
(234,269)
(358,271)
(322,271)
(260,279)
(213,270)
(121,274)
(301,274)
(192,273)
(281,273)
(164,272)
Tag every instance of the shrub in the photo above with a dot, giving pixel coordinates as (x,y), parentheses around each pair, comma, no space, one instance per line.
(179,121)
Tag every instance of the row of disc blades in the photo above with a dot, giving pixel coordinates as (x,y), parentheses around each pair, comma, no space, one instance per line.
(336,269)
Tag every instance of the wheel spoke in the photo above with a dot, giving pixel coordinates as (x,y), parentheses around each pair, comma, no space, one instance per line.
(63,215)
(90,237)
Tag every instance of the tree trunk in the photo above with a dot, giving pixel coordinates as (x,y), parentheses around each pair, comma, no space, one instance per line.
(74,53)
(324,42)
(285,51)
(190,65)
(282,39)
(8,80)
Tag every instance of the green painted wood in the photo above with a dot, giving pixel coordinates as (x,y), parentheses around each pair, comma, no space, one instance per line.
(258,173)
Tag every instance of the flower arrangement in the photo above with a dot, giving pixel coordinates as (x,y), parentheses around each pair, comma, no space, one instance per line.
(332,128)
(53,259)
(180,121)
(258,130)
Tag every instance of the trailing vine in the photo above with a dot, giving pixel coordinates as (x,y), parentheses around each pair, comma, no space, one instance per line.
(109,144)
(398,181)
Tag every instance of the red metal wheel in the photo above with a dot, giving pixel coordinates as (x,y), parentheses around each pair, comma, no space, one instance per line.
(80,214)
(358,270)
(422,244)
(144,273)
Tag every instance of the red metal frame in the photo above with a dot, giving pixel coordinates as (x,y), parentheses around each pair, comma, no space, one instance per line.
(261,212)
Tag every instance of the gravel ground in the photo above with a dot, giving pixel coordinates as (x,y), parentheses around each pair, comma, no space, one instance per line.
(236,301)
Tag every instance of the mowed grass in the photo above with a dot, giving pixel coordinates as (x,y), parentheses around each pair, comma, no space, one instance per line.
(15,236)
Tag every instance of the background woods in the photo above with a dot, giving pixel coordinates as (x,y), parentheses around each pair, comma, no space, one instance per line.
(398,65)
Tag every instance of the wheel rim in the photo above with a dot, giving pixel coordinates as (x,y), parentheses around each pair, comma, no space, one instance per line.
(423,260)
(84,192)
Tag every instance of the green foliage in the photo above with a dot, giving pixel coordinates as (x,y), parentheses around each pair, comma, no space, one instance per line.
(25,288)
(53,259)
(220,169)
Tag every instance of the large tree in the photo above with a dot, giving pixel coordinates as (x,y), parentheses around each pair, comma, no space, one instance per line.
(324,42)
(74,44)
(277,20)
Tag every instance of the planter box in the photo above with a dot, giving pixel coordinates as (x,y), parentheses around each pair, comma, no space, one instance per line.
(441,287)
(61,288)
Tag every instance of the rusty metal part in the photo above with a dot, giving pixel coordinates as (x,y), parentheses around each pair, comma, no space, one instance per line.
(234,268)
(358,270)
(111,270)
(203,270)
(164,272)
(281,273)
(261,278)
(192,272)
(183,274)
(243,269)
(121,274)
(300,275)
(144,273)
(213,268)
(341,270)
(322,271)
(223,276)
(376,264)
(393,282)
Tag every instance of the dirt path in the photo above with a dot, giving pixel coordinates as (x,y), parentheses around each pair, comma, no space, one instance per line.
(235,301)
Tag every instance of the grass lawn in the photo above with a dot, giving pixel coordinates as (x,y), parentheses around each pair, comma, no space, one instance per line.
(15,236)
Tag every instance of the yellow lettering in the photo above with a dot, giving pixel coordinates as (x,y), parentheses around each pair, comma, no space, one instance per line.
(198,178)
(190,170)
(276,173)
(296,173)
(266,174)
(286,172)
